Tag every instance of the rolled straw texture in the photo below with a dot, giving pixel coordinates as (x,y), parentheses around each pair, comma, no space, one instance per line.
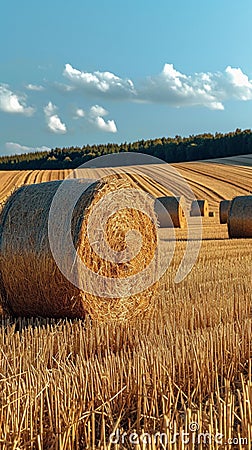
(31,283)
(240,217)
(224,210)
(175,206)
(203,208)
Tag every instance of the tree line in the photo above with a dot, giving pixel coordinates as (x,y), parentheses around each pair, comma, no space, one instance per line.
(171,150)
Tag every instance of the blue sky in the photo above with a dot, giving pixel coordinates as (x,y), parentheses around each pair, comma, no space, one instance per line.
(95,72)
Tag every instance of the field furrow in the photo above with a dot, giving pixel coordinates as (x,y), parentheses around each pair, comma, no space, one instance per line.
(70,384)
(209,180)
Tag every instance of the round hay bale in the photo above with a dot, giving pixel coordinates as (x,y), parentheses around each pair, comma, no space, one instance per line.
(199,208)
(240,217)
(31,282)
(175,206)
(224,210)
(211,214)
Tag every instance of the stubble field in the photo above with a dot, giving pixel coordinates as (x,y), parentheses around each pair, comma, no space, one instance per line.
(184,371)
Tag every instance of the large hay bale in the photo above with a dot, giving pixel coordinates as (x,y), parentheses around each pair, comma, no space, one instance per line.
(31,283)
(199,208)
(224,210)
(240,217)
(175,206)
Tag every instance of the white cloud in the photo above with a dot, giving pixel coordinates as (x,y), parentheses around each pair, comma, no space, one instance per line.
(97,110)
(237,77)
(108,126)
(15,148)
(50,109)
(177,89)
(79,113)
(34,87)
(170,87)
(238,84)
(105,83)
(95,116)
(13,103)
(53,121)
(200,89)
(55,125)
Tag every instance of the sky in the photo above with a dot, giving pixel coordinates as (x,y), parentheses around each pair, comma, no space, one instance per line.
(85,72)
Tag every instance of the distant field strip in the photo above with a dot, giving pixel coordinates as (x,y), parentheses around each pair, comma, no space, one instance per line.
(213,180)
(242,160)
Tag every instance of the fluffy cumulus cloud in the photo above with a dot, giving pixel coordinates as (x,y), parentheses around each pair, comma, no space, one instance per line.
(95,117)
(171,87)
(96,111)
(200,89)
(15,148)
(13,103)
(177,89)
(79,113)
(105,83)
(53,121)
(238,84)
(108,126)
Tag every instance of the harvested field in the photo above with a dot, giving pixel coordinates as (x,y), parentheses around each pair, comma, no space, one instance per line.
(213,180)
(70,384)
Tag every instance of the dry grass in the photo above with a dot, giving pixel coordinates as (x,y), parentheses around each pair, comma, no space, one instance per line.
(214,180)
(69,384)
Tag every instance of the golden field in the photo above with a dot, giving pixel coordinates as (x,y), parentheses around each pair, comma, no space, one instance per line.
(184,371)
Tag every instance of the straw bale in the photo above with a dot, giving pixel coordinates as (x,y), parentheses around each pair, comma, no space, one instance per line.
(224,210)
(240,217)
(199,208)
(175,206)
(31,283)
